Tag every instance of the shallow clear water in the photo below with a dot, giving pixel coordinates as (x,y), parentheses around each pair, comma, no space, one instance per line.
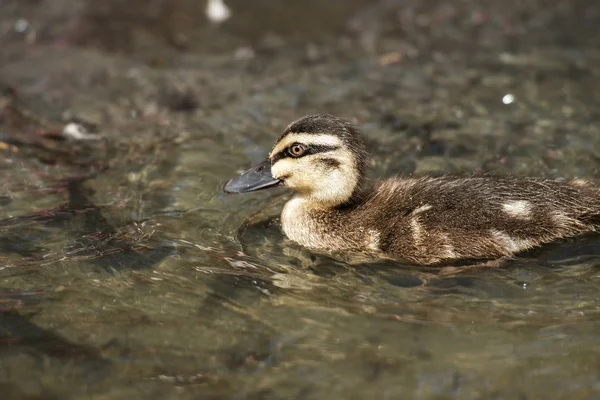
(146,281)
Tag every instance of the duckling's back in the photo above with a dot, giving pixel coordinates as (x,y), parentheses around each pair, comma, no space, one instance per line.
(432,220)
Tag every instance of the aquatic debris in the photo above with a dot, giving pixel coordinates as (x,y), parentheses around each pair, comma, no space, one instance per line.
(8,147)
(508,98)
(393,57)
(77,131)
(21,25)
(244,53)
(217,11)
(33,136)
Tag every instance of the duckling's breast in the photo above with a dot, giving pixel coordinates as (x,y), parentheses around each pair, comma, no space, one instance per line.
(311,226)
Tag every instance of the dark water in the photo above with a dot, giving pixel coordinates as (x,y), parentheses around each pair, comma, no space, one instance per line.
(125,272)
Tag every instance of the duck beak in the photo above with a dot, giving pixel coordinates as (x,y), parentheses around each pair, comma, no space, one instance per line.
(256,178)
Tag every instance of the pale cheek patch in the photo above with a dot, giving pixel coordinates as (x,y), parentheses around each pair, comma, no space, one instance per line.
(328,178)
(283,168)
(518,209)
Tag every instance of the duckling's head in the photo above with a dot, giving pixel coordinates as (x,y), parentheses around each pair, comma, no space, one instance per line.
(321,157)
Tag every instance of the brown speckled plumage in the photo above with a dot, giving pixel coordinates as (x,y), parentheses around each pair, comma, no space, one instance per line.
(432,220)
(422,220)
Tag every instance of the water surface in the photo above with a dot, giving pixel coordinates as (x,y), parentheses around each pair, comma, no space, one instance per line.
(125,272)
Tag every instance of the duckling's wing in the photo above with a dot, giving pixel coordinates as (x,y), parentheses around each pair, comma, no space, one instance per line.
(430,220)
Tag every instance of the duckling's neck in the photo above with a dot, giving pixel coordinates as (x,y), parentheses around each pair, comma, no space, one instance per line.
(305,221)
(357,198)
(310,203)
(316,224)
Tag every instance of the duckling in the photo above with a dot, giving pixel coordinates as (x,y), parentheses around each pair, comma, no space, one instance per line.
(422,220)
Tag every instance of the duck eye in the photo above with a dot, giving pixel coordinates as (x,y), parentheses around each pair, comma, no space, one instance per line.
(296,150)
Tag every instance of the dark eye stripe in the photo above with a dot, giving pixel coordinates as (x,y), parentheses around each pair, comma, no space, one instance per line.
(310,149)
(320,148)
(330,162)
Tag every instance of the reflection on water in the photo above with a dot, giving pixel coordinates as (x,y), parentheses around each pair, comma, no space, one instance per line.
(125,272)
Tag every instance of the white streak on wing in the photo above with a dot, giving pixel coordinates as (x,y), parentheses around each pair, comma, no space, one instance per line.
(417,230)
(511,244)
(562,220)
(518,208)
(421,209)
(447,248)
(373,239)
(579,182)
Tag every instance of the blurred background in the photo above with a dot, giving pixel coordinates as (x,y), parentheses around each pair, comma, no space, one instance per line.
(125,272)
